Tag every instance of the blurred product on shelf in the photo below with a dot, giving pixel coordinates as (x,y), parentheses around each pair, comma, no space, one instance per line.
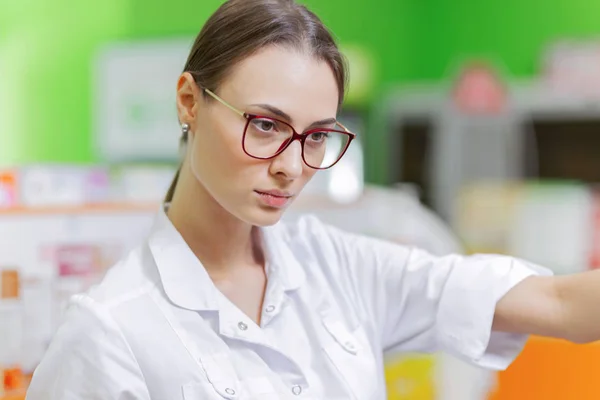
(552,226)
(570,67)
(142,183)
(479,89)
(8,189)
(66,185)
(62,185)
(78,266)
(595,258)
(550,223)
(484,215)
(11,333)
(388,213)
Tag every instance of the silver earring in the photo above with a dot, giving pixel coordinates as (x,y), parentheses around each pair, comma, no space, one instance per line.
(185,129)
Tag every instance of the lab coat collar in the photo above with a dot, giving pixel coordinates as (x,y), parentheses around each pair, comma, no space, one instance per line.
(187,283)
(185,280)
(283,264)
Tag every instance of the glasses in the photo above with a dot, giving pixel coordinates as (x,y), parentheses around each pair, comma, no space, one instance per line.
(265,138)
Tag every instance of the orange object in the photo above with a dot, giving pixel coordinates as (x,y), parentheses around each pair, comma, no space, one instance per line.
(21,392)
(83,209)
(8,189)
(9,284)
(18,396)
(13,379)
(550,369)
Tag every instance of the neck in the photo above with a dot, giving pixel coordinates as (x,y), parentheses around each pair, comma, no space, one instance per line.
(222,242)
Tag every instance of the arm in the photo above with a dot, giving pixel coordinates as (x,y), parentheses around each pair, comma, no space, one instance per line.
(416,302)
(565,307)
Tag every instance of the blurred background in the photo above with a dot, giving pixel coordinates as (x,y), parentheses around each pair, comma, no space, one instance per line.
(479,131)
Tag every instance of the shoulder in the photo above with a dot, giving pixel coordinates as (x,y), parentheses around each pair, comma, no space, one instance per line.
(132,276)
(87,358)
(89,353)
(95,314)
(352,261)
(311,231)
(308,235)
(304,227)
(89,316)
(347,247)
(86,322)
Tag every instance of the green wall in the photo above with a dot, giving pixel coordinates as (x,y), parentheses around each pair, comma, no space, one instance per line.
(45,53)
(46,49)
(511,31)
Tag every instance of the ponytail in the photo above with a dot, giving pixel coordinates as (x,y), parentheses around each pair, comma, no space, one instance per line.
(171,191)
(173,187)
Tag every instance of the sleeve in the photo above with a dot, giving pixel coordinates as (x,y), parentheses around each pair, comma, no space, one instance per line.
(88,358)
(423,303)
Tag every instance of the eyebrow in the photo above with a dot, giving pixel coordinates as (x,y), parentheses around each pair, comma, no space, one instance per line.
(284,115)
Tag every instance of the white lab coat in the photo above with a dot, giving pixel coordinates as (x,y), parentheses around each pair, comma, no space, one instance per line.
(157,327)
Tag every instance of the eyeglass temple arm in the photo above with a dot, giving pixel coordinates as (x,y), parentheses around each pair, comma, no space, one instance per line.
(220,100)
(340,124)
(241,113)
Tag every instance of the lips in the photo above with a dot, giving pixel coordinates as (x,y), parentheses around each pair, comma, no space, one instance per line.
(274,198)
(275,193)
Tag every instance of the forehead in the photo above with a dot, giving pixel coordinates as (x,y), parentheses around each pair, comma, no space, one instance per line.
(292,80)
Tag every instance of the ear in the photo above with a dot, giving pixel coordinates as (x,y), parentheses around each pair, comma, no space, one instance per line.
(187,98)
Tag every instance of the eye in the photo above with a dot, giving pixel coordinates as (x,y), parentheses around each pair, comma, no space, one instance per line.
(318,137)
(264,125)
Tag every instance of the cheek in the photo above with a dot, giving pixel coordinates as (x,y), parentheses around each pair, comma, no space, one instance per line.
(227,142)
(221,147)
(307,174)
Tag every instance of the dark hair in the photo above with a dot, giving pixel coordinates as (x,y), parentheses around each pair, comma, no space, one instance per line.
(240,28)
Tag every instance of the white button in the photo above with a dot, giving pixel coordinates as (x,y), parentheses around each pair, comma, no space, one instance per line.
(230,391)
(242,326)
(297,390)
(270,308)
(350,346)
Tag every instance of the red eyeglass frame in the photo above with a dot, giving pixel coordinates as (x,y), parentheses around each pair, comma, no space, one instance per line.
(295,136)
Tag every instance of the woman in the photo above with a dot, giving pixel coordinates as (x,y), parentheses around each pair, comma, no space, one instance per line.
(222,301)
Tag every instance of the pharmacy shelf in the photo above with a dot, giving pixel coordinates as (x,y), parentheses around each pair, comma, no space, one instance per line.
(20,396)
(83,209)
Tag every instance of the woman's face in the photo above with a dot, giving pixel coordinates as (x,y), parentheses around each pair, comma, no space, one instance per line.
(276,82)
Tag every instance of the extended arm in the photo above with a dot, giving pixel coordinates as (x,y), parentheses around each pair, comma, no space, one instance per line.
(565,307)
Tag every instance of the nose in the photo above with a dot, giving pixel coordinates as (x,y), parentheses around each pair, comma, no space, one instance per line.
(289,163)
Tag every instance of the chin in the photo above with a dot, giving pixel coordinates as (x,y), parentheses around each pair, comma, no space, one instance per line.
(264,216)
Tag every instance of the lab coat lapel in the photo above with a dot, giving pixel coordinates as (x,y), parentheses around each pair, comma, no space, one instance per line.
(184,278)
